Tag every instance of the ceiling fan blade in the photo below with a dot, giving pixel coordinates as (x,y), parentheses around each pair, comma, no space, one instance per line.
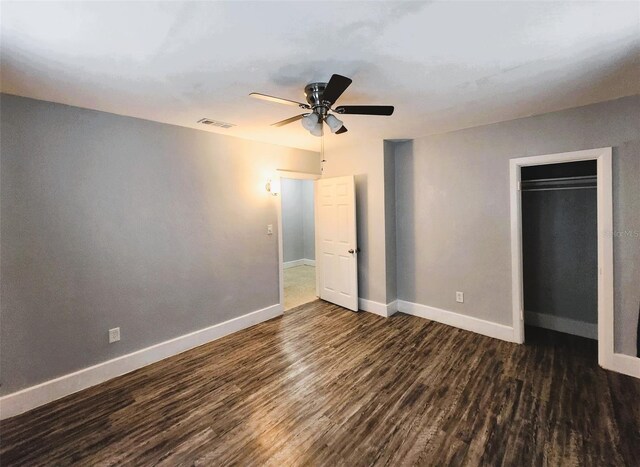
(365,109)
(342,129)
(335,87)
(278,100)
(289,120)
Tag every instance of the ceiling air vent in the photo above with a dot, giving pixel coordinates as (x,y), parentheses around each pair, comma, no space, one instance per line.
(210,122)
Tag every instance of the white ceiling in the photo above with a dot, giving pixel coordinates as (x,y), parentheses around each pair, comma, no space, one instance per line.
(444,66)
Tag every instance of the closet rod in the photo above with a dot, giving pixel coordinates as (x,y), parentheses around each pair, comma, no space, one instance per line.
(558,189)
(560,179)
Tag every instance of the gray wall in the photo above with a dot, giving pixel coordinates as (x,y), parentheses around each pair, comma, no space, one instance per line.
(560,253)
(349,154)
(292,225)
(298,227)
(113,221)
(453,224)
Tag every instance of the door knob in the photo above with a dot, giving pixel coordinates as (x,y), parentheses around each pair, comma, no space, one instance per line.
(352,251)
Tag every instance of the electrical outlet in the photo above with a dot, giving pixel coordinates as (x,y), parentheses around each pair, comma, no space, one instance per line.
(114,335)
(270,229)
(459,297)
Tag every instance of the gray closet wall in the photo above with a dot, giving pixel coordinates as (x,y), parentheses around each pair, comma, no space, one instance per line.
(559,236)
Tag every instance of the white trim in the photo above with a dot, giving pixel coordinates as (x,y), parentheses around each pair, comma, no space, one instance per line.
(625,364)
(561,324)
(378,308)
(293,264)
(469,323)
(284,173)
(43,393)
(605,258)
(605,243)
(316,236)
(280,252)
(517,301)
(299,262)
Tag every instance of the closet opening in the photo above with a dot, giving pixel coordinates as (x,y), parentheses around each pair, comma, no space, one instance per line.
(560,248)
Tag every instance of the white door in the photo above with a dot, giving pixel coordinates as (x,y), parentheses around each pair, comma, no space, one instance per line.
(337,250)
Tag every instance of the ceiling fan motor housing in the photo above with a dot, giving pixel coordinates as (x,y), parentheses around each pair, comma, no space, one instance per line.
(314,93)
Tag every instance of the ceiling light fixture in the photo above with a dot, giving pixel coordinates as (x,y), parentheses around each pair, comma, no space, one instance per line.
(313,124)
(310,121)
(333,123)
(316,130)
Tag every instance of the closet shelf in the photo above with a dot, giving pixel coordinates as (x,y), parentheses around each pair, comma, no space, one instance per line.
(587,182)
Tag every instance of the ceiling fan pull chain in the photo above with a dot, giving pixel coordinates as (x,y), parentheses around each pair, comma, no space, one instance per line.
(322,159)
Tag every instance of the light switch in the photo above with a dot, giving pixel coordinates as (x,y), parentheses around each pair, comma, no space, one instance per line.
(270,229)
(459,297)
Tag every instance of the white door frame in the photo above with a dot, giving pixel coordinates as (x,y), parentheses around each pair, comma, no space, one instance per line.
(281,173)
(605,243)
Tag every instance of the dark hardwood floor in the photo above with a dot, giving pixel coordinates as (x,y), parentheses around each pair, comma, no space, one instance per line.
(325,386)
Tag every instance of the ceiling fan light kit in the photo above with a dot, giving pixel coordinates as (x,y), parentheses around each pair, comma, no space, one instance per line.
(333,123)
(317,130)
(310,121)
(320,100)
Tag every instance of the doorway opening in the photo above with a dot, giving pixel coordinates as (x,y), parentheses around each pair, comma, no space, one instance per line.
(562,247)
(298,242)
(560,251)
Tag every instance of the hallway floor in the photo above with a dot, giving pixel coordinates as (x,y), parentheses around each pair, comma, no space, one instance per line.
(299,286)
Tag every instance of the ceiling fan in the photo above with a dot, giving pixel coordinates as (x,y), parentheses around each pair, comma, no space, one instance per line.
(320,100)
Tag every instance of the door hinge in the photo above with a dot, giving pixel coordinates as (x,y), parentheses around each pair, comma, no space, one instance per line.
(519,185)
(521,315)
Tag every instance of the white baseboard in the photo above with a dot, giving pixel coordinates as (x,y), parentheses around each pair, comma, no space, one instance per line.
(34,396)
(377,307)
(625,364)
(558,323)
(299,262)
(293,264)
(469,323)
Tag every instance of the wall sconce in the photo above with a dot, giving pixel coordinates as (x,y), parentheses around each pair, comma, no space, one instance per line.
(273,186)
